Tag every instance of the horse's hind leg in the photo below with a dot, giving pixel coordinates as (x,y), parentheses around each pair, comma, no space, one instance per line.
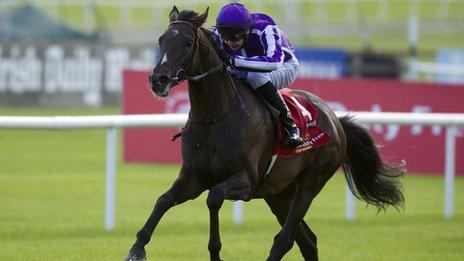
(309,233)
(309,184)
(183,189)
(304,237)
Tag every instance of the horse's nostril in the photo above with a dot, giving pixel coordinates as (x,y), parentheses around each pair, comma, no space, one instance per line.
(151,78)
(163,79)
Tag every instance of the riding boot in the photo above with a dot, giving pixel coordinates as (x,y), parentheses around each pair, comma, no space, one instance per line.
(269,92)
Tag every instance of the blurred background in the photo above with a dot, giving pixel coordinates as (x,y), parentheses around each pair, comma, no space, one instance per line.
(93,57)
(79,48)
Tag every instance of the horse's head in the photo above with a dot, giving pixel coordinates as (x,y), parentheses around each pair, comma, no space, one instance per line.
(178,50)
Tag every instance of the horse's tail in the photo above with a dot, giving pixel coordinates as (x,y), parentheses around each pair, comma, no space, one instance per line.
(370,178)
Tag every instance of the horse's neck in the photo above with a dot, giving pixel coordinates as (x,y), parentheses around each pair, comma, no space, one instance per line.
(212,96)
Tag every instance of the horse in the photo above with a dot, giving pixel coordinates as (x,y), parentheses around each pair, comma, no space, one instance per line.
(228,141)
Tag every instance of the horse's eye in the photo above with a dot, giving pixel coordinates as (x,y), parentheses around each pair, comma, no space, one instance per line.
(189,44)
(160,39)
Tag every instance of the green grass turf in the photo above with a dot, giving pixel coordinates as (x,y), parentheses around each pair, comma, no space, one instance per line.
(52,200)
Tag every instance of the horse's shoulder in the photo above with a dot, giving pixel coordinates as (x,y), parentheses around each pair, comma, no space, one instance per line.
(255,98)
(255,105)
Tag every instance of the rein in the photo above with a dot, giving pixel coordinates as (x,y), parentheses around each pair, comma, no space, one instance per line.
(198,77)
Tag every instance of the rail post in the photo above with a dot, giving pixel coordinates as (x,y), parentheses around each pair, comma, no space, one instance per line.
(450,161)
(110,193)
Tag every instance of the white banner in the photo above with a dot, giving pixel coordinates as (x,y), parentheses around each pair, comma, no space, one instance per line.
(56,69)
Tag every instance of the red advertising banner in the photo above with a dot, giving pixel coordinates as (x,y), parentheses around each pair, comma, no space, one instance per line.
(422,147)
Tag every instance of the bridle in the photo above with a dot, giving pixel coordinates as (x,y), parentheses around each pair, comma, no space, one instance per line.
(221,66)
(177,78)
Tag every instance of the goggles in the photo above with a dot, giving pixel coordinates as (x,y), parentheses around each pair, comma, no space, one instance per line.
(232,34)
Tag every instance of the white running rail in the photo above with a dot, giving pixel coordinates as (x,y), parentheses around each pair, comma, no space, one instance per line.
(450,120)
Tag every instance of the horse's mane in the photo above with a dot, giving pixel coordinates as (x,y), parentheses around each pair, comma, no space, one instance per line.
(192,17)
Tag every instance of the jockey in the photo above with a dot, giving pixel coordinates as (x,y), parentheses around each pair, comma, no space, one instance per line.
(259,53)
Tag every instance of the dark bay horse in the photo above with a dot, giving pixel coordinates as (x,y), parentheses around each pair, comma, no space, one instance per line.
(228,142)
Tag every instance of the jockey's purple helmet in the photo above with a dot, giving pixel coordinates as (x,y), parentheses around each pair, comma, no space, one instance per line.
(234,15)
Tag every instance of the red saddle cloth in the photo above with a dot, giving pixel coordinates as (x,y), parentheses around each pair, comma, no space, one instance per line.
(305,115)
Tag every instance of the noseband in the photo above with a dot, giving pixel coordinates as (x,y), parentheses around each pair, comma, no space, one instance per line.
(177,79)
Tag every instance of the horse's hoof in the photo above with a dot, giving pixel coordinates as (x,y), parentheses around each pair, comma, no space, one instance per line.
(136,254)
(134,258)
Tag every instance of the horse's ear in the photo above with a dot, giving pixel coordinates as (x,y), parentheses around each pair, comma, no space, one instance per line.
(203,16)
(173,15)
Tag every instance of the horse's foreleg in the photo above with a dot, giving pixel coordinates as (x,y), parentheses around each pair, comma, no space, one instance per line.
(183,189)
(236,187)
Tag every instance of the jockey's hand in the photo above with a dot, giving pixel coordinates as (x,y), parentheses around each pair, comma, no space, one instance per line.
(215,42)
(225,57)
(239,74)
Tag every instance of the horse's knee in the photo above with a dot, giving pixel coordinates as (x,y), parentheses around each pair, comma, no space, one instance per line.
(215,198)
(165,202)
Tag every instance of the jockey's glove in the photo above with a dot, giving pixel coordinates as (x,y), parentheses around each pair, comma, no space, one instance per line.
(225,57)
(215,42)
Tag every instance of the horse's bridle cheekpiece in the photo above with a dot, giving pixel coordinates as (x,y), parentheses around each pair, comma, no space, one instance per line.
(221,66)
(177,79)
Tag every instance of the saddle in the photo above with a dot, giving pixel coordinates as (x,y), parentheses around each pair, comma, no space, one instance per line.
(305,116)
